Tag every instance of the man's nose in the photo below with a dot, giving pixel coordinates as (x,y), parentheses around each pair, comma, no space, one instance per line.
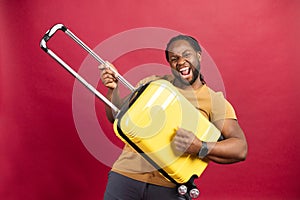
(181,61)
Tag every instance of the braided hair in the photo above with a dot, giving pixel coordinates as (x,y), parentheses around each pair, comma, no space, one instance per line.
(192,41)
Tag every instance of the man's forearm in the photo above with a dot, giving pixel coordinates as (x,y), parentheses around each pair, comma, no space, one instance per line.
(114,97)
(228,151)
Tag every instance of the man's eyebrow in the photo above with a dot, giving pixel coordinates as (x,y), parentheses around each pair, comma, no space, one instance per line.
(185,51)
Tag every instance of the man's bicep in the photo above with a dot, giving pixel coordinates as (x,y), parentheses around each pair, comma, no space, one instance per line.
(229,128)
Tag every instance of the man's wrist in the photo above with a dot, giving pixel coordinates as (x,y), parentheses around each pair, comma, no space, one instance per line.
(203,151)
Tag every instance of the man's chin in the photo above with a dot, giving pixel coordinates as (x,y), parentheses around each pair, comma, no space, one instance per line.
(184,81)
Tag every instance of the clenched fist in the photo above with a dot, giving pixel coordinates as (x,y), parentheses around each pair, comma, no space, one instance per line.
(186,142)
(108,77)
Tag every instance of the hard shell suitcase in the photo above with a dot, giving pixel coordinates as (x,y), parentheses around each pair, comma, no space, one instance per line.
(148,121)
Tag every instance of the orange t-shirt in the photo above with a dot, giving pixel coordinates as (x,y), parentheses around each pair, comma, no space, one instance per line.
(211,104)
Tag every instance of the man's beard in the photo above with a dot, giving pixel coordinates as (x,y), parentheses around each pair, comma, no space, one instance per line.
(195,73)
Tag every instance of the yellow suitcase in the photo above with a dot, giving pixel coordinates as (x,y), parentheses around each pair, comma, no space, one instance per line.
(148,123)
(148,120)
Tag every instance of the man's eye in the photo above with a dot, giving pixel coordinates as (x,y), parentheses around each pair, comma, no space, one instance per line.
(187,55)
(173,59)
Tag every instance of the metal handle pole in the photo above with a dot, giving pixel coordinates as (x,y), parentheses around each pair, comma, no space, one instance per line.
(43,45)
(63,28)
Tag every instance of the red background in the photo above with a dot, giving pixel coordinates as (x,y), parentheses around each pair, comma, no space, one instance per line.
(255,44)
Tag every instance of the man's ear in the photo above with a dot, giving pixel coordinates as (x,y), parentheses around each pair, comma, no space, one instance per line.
(199,55)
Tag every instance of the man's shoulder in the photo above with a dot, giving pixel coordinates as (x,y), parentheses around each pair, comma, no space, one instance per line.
(148,79)
(213,93)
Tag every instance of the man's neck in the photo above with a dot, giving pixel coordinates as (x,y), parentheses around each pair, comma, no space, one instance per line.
(196,85)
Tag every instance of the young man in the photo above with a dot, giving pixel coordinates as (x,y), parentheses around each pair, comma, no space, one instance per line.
(132,177)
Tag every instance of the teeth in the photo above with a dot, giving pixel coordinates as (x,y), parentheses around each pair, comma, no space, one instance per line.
(183,69)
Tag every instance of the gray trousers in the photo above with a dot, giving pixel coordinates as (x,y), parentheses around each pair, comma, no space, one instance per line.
(120,187)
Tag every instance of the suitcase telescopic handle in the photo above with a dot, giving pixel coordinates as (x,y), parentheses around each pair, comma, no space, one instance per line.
(61,27)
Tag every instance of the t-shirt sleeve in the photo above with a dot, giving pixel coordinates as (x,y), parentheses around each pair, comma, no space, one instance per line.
(230,112)
(154,78)
(147,79)
(221,108)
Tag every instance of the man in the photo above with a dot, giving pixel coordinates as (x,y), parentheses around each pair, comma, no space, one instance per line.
(132,177)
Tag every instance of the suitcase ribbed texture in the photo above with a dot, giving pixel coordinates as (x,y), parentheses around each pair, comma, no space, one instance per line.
(151,122)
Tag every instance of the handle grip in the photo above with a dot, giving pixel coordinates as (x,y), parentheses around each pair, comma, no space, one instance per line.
(49,34)
(63,28)
(43,44)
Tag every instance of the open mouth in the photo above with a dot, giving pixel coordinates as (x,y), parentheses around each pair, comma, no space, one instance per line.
(185,71)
